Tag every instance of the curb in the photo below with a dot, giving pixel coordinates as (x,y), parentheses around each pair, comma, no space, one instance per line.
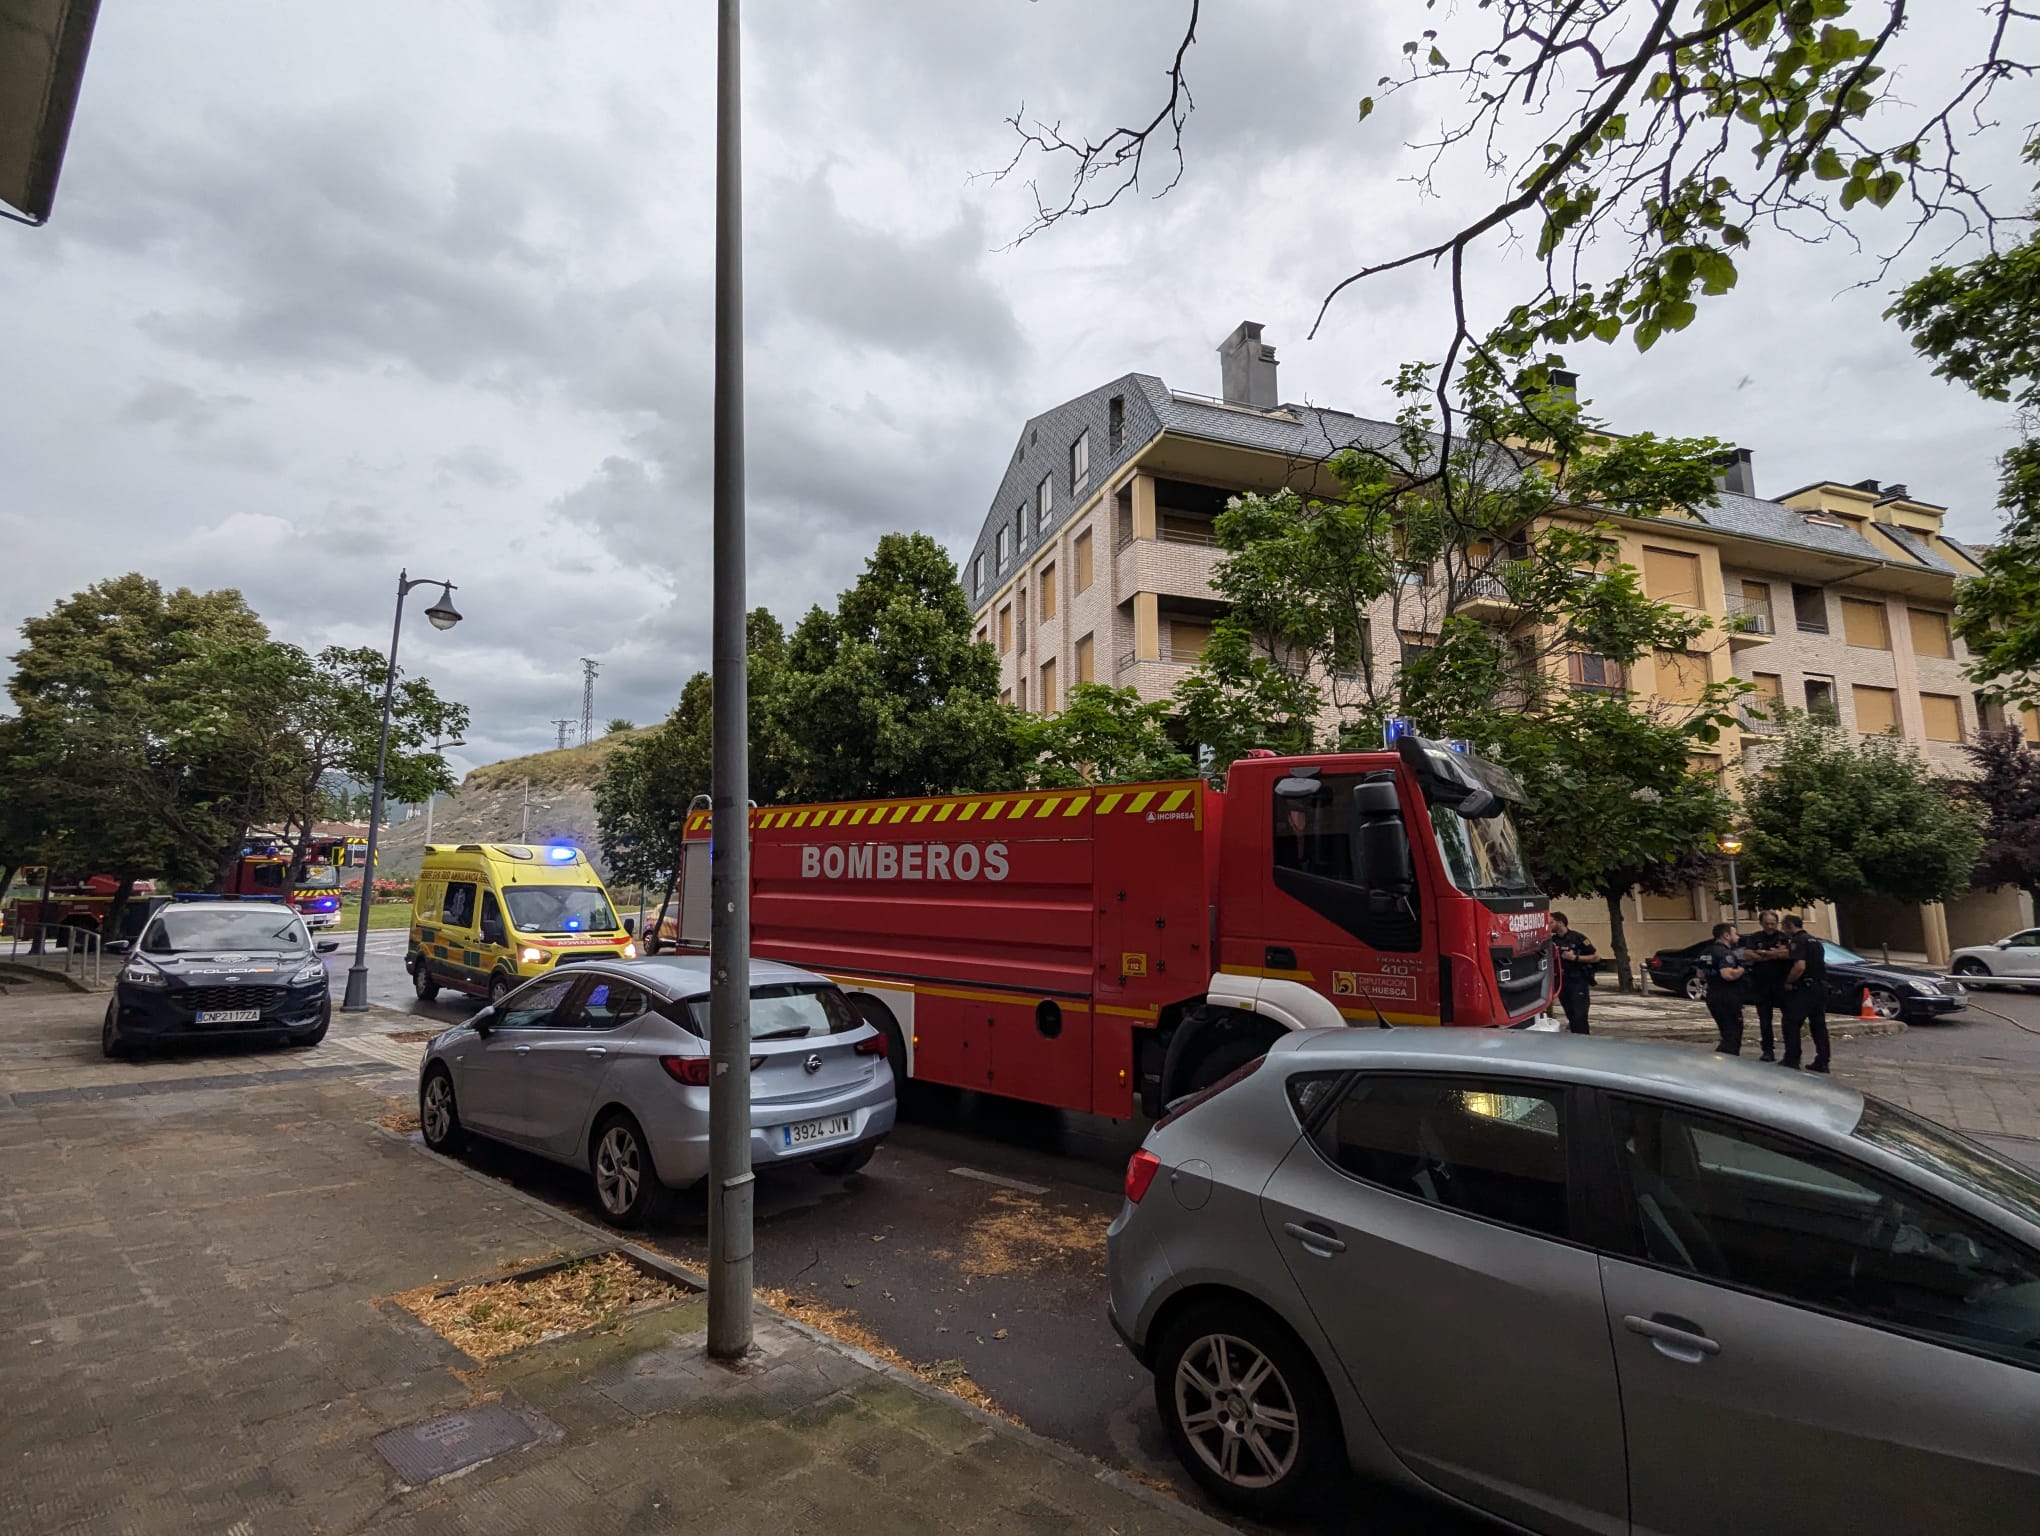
(1192,1517)
(42,973)
(1704,1034)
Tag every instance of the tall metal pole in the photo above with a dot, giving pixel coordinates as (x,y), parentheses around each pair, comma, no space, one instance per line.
(356,999)
(1734,890)
(729,992)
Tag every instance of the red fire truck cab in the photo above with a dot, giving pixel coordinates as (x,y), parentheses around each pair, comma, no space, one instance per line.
(1112,947)
(264,870)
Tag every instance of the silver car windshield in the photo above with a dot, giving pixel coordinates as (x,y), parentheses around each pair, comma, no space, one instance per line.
(1955,1158)
(788,1012)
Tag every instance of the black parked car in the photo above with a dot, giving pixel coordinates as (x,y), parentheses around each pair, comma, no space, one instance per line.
(206,969)
(1896,991)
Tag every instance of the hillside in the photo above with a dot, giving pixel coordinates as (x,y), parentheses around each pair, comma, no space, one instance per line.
(489,806)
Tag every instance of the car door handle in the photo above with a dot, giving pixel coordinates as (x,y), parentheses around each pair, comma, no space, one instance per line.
(1317,1239)
(596,1050)
(1673,1337)
(523,1050)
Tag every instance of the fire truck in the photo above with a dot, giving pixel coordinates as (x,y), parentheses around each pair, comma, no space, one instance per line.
(264,870)
(85,904)
(1111,947)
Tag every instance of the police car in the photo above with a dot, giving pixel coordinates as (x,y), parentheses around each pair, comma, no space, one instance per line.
(205,968)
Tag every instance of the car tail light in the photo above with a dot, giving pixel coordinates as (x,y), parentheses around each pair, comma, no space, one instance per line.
(875,1046)
(691,1070)
(1141,1169)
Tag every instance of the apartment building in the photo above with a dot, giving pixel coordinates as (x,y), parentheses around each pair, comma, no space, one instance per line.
(1096,557)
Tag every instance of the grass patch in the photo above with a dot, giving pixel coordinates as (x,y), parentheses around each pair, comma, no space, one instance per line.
(381,914)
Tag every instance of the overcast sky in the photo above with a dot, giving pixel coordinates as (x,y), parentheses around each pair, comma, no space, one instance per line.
(335,289)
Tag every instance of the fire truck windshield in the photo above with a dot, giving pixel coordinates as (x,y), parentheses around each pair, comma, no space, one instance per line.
(318,877)
(559,909)
(1481,854)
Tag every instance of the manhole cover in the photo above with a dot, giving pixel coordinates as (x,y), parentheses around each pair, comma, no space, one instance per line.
(440,1447)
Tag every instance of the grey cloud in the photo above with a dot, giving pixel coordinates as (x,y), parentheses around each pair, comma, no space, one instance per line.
(161,400)
(480,465)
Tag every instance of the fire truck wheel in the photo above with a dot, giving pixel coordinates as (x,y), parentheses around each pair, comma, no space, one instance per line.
(423,984)
(1222,1060)
(843,1164)
(880,1018)
(1246,1408)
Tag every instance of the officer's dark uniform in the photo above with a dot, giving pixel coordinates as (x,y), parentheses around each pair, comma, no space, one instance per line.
(1806,1001)
(1724,996)
(1575,953)
(1766,984)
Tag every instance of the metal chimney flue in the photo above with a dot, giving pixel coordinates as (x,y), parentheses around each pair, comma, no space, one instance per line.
(1247,368)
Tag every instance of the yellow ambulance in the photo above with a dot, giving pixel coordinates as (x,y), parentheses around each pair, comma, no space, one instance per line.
(486,916)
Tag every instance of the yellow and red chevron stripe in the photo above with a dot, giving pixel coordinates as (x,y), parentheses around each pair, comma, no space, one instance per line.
(1173,800)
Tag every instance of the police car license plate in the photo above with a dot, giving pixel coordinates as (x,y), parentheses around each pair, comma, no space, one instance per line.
(229,1015)
(814,1130)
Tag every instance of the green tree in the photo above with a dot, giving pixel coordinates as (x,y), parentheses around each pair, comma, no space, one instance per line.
(2006,790)
(1613,804)
(1102,735)
(889,694)
(1495,553)
(1831,818)
(1981,325)
(617,725)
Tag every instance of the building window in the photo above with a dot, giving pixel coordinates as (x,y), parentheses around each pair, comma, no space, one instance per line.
(1046,582)
(1864,624)
(1006,696)
(977,576)
(1942,715)
(1760,709)
(1085,664)
(1084,561)
(1187,640)
(999,552)
(1809,609)
(1876,710)
(1752,614)
(1677,907)
(1820,698)
(1020,691)
(1930,635)
(1115,423)
(1681,676)
(1005,629)
(2029,722)
(1587,671)
(1048,687)
(1020,621)
(1080,464)
(983,636)
(1670,576)
(1044,502)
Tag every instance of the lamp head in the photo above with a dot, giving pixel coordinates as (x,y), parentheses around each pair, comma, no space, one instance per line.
(1729,844)
(442,613)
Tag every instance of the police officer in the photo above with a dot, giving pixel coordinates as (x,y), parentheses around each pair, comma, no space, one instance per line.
(1722,964)
(1770,958)
(1806,995)
(1575,953)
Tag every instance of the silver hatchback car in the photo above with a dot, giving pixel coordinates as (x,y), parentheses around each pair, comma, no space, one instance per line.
(1583,1285)
(605,1066)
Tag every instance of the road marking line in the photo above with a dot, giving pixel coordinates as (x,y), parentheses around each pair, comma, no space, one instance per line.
(993,1178)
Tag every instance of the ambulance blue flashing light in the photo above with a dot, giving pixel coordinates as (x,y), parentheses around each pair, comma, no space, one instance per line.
(561,854)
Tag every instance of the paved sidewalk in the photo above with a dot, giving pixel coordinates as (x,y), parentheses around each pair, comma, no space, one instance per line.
(196,1266)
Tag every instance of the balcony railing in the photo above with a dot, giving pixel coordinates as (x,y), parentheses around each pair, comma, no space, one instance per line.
(1185,531)
(1176,655)
(1750,615)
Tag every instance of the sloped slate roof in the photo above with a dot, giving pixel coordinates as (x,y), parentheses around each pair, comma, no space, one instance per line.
(1307,434)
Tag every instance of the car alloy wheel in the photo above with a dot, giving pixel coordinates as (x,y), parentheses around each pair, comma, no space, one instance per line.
(619,1171)
(1884,1002)
(1969,965)
(1696,987)
(439,1113)
(1237,1411)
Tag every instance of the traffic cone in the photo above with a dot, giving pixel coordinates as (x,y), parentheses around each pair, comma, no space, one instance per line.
(1866,1011)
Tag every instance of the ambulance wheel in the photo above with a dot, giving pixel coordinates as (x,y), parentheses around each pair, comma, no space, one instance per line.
(499,987)
(423,984)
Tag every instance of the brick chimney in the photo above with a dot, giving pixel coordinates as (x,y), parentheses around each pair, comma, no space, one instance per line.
(1247,368)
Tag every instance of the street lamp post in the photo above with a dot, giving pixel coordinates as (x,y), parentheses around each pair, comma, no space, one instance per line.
(443,616)
(1731,845)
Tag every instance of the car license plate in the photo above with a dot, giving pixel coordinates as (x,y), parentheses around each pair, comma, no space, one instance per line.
(814,1130)
(229,1015)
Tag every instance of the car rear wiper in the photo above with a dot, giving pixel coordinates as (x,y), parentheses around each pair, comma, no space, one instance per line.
(797,1032)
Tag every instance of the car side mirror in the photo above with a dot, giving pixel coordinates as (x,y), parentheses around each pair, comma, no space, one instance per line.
(323,946)
(492,933)
(2001,944)
(116,946)
(630,926)
(483,1022)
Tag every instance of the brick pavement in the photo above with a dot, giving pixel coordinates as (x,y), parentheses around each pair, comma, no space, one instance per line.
(196,1257)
